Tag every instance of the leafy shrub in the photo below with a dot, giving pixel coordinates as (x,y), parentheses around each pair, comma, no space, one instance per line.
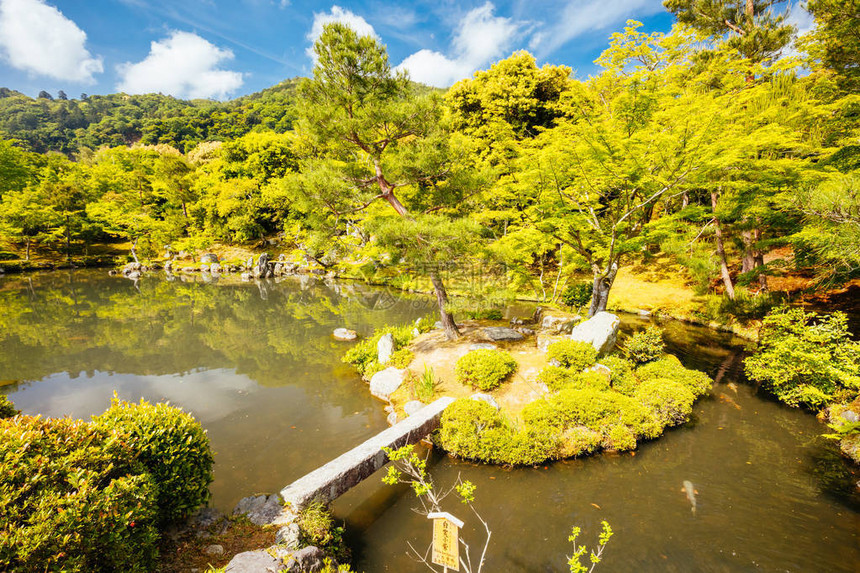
(485,368)
(621,438)
(555,377)
(401,358)
(670,401)
(317,527)
(577,441)
(806,359)
(573,354)
(577,295)
(600,411)
(645,346)
(7,408)
(669,367)
(71,504)
(363,356)
(621,376)
(467,429)
(171,446)
(596,379)
(484,314)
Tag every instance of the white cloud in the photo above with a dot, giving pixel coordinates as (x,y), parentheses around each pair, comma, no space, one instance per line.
(579,17)
(338,14)
(183,65)
(37,38)
(480,38)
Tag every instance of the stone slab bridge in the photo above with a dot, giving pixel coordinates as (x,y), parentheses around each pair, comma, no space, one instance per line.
(335,478)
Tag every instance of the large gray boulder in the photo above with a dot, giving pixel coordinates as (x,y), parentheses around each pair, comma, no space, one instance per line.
(385,348)
(385,382)
(601,331)
(497,333)
(255,562)
(260,509)
(209,258)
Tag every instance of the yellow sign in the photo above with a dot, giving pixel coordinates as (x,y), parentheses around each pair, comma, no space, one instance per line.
(446,540)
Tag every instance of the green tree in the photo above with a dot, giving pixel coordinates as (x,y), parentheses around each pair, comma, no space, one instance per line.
(372,140)
(835,40)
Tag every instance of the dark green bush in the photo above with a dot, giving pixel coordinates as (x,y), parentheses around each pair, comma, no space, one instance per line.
(621,376)
(670,367)
(645,346)
(71,504)
(7,408)
(806,359)
(572,354)
(671,402)
(171,445)
(577,295)
(485,368)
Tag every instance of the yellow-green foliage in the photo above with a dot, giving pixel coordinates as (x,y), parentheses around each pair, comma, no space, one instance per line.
(645,346)
(170,445)
(670,367)
(583,414)
(317,527)
(573,354)
(73,499)
(671,402)
(485,368)
(363,355)
(621,376)
(7,408)
(555,377)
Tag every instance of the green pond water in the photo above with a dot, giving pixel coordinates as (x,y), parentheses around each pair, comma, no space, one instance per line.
(257,366)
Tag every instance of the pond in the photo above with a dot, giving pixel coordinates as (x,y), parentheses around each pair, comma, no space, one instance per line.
(256,364)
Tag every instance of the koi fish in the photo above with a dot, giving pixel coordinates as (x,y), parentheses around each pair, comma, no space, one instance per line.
(691,495)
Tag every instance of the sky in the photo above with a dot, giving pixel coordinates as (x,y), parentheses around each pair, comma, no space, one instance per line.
(222,49)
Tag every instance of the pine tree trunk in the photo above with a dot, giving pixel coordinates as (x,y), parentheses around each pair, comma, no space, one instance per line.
(721,251)
(601,287)
(448,324)
(748,262)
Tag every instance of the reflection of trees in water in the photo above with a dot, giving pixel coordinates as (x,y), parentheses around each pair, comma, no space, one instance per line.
(83,322)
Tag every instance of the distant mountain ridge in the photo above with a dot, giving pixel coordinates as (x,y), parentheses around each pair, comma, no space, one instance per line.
(69,126)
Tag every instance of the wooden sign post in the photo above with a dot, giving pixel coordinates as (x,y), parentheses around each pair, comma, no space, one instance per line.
(446,540)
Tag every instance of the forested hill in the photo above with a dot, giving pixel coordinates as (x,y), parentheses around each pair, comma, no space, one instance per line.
(49,123)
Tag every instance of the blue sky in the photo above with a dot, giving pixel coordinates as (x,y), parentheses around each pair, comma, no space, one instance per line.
(222,49)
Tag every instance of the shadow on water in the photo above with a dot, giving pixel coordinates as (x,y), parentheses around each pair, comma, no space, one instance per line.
(258,367)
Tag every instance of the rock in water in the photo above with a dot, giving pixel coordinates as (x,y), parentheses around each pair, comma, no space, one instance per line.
(601,331)
(383,383)
(558,324)
(344,334)
(262,268)
(260,509)
(209,258)
(254,562)
(496,333)
(385,348)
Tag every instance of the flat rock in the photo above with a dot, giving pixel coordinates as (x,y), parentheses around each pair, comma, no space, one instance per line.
(412,406)
(306,559)
(344,334)
(482,346)
(260,509)
(497,333)
(383,383)
(601,331)
(556,324)
(385,348)
(254,562)
(479,397)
